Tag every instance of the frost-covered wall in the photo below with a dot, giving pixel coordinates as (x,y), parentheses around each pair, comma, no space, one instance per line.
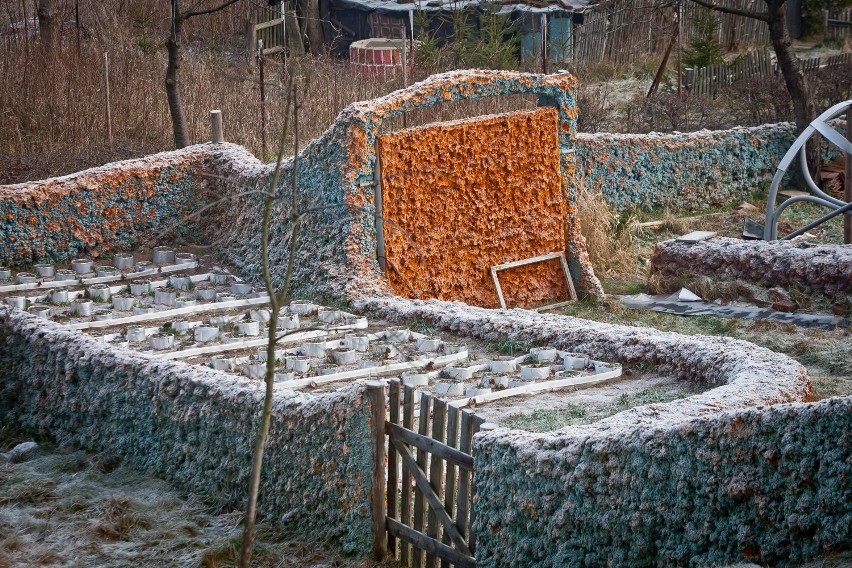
(194,426)
(816,269)
(681,170)
(109,208)
(767,485)
(726,475)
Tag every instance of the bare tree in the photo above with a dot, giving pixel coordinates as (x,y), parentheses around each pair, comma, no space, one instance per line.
(775,16)
(278,298)
(313,26)
(173,46)
(48,22)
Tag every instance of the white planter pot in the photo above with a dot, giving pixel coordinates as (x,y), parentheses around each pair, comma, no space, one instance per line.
(602,367)
(302,307)
(345,356)
(251,328)
(220,297)
(448,388)
(574,361)
(103,315)
(140,287)
(219,277)
(82,307)
(235,337)
(532,372)
(328,369)
(135,334)
(313,349)
(260,355)
(476,391)
(205,294)
(515,383)
(428,344)
(284,376)
(40,311)
(59,296)
(162,256)
(99,292)
(165,297)
(543,354)
(220,320)
(44,270)
(459,373)
(297,363)
(122,261)
(5,273)
(329,315)
(494,382)
(241,288)
(180,326)
(415,379)
(504,364)
(260,315)
(81,265)
(204,333)
(142,310)
(222,362)
(385,350)
(452,348)
(357,341)
(65,274)
(143,265)
(397,334)
(184,258)
(104,271)
(186,303)
(161,341)
(123,303)
(17,301)
(288,321)
(183,283)
(26,278)
(256,371)
(355,322)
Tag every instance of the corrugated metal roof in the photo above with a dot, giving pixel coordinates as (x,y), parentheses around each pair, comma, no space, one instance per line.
(502,7)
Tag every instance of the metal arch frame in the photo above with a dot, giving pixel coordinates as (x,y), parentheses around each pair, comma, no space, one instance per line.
(819,125)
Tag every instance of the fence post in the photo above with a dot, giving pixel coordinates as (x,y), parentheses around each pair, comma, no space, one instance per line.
(216,126)
(106,99)
(376,394)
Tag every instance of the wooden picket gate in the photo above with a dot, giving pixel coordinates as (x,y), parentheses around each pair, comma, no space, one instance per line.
(429,488)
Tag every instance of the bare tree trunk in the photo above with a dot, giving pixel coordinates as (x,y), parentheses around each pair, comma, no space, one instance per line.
(48,23)
(313,25)
(172,83)
(804,109)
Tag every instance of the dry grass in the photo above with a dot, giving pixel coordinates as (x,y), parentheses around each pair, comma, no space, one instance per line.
(57,507)
(610,237)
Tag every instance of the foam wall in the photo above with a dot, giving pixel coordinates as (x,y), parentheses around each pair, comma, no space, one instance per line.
(101,210)
(461,197)
(682,171)
(194,426)
(743,471)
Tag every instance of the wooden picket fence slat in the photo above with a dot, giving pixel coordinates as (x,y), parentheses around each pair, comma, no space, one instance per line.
(429,483)
(707,81)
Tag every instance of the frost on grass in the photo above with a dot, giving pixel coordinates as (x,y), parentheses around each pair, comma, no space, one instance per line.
(63,508)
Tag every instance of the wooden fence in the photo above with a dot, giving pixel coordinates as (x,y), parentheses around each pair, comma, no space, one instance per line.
(428,516)
(627,32)
(838,23)
(278,29)
(706,81)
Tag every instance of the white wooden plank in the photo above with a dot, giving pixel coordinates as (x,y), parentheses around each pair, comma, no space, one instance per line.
(696,236)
